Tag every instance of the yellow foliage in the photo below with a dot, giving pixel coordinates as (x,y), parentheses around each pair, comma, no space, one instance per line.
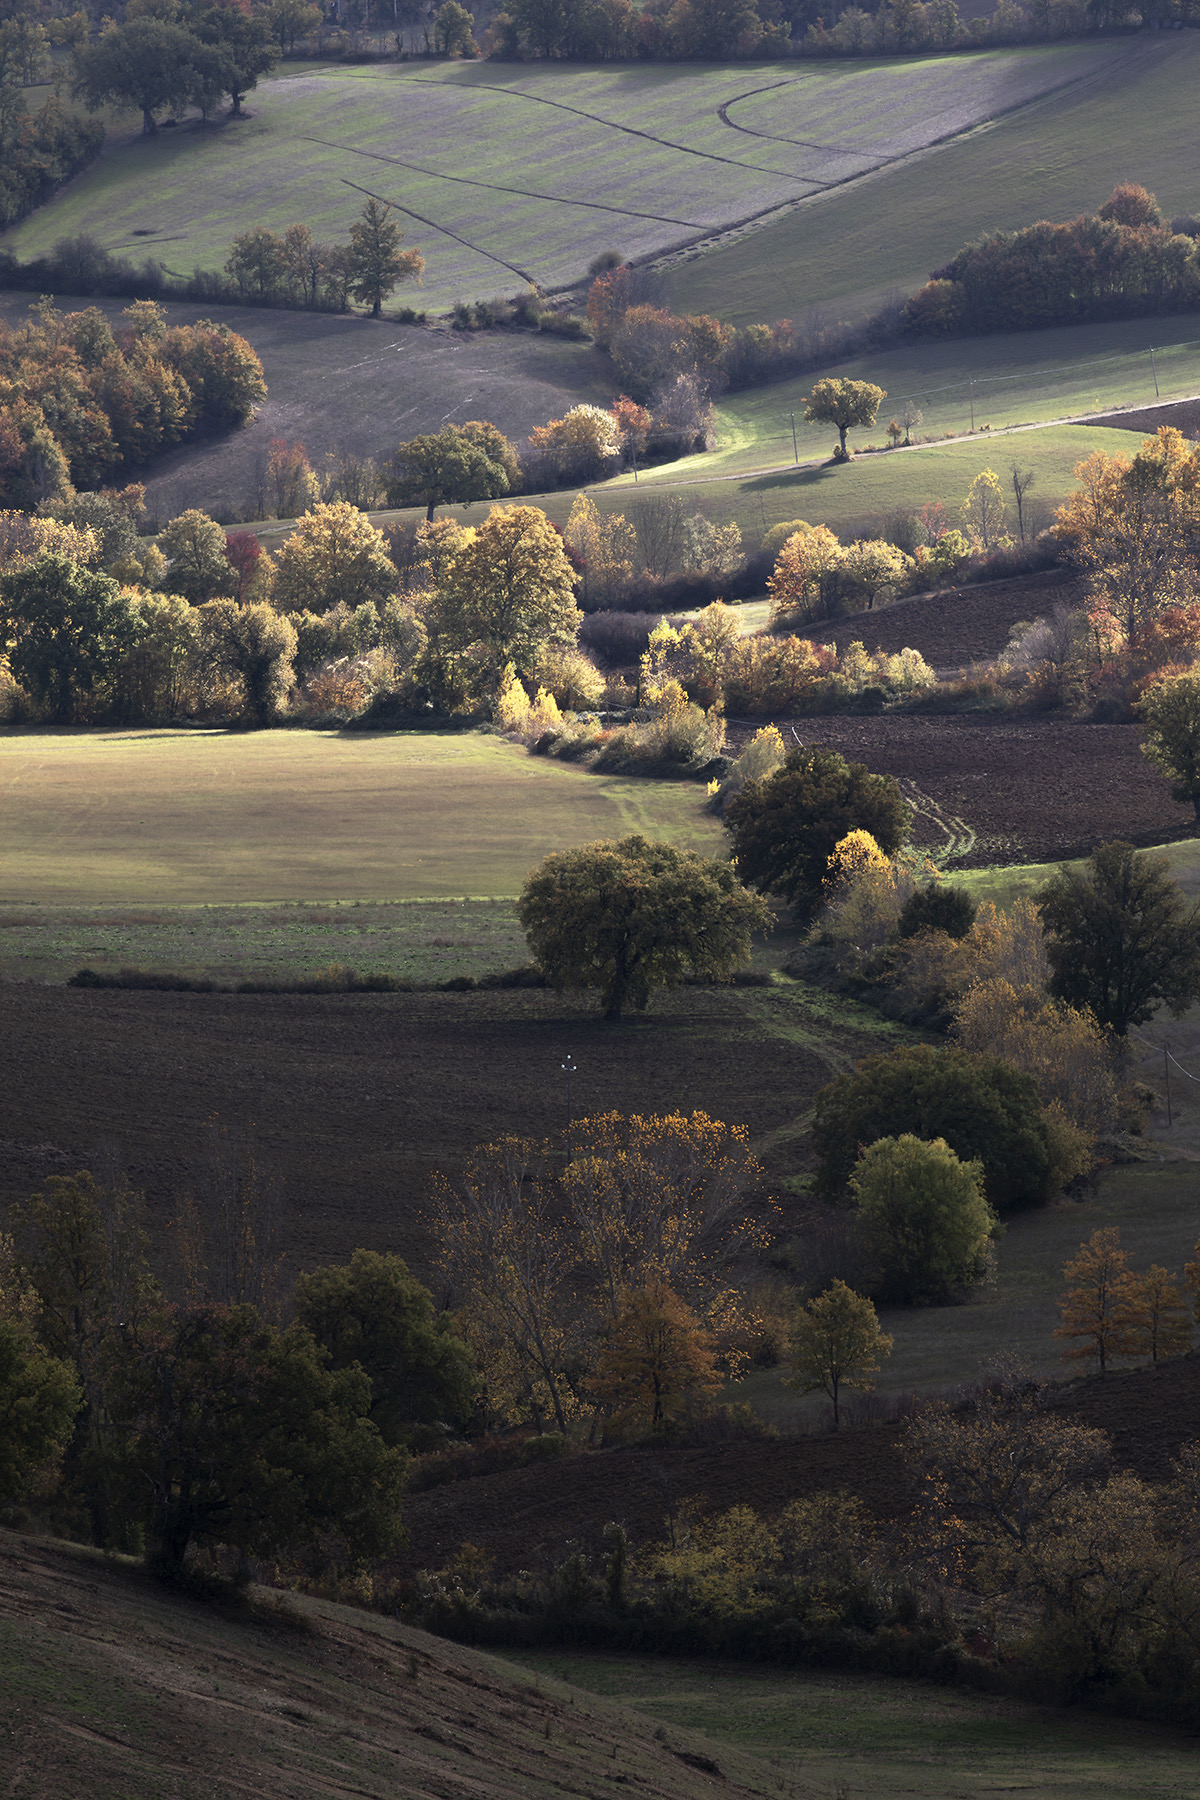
(24,536)
(1063,1048)
(853,855)
(1104,1312)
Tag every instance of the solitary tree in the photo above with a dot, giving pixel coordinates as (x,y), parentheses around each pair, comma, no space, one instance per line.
(64,629)
(925,1218)
(1104,1307)
(785,828)
(377,261)
(1171,711)
(1120,937)
(656,1362)
(838,401)
(374,1313)
(455,465)
(631,916)
(836,1343)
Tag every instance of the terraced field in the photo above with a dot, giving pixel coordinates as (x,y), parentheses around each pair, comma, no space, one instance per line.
(512,175)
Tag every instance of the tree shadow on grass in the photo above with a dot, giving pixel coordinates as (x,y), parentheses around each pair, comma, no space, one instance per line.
(811,477)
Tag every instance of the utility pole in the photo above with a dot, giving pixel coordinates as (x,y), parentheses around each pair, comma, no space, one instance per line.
(795,446)
(1167,1073)
(1154,371)
(972,379)
(568,1069)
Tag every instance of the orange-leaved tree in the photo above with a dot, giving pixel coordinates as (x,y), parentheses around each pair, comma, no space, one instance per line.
(656,1363)
(1104,1307)
(1166,1326)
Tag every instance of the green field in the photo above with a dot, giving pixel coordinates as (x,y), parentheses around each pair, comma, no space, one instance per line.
(511,175)
(856,1736)
(842,253)
(848,498)
(937,1348)
(967,384)
(189,817)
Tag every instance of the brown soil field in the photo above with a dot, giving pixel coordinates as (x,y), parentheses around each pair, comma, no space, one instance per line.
(112,1686)
(524,1516)
(348,382)
(1013,789)
(356,1099)
(1184,415)
(958,626)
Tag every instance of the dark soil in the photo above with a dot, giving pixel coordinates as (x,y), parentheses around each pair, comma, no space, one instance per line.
(1184,415)
(1029,788)
(526,1517)
(357,1098)
(958,626)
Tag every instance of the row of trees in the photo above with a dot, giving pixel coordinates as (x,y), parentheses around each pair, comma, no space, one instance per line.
(1121,262)
(295,269)
(168,55)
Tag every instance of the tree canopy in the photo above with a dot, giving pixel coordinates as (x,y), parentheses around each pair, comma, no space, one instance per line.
(786,826)
(631,916)
(985,1110)
(62,628)
(1120,937)
(836,1343)
(458,464)
(508,591)
(1171,712)
(377,263)
(926,1222)
(374,1314)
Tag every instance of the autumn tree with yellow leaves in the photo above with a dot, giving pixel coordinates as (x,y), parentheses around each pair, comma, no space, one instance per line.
(1104,1307)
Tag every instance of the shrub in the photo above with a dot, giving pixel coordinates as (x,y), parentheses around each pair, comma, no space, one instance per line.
(937,906)
(925,1218)
(682,740)
(619,637)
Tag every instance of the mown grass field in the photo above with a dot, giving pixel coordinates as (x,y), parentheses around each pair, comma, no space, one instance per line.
(1132,121)
(511,175)
(855,1736)
(194,817)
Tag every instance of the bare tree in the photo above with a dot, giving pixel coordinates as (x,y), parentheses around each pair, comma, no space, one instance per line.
(230,1223)
(1022,481)
(661,525)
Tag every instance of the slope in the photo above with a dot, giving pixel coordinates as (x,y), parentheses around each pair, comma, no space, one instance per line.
(111,1686)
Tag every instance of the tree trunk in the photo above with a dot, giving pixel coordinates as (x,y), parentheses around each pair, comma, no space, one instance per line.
(148,125)
(429,510)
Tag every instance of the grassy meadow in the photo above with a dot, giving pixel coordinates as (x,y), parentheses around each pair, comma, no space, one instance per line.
(1054,159)
(853,1735)
(849,498)
(516,174)
(192,817)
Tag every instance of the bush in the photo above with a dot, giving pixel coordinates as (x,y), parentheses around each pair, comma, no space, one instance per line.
(619,637)
(925,1218)
(984,1109)
(682,741)
(937,906)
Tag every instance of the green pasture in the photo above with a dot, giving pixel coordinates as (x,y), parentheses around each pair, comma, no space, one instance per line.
(1121,121)
(849,498)
(815,1733)
(515,174)
(186,817)
(968,384)
(1156,1206)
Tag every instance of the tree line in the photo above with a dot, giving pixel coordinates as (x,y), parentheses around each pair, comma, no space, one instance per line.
(1123,262)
